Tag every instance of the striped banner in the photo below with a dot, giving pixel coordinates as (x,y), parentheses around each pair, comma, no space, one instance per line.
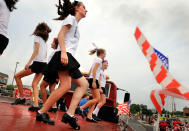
(170,85)
(123,108)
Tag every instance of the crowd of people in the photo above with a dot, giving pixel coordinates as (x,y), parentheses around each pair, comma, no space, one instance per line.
(62,66)
(164,123)
(173,125)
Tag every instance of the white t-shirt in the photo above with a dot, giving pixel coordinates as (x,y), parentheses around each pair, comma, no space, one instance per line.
(51,55)
(97,60)
(42,52)
(72,36)
(103,78)
(4,18)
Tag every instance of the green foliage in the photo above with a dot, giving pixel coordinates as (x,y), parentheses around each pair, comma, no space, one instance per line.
(177,113)
(142,109)
(117,104)
(135,108)
(10,87)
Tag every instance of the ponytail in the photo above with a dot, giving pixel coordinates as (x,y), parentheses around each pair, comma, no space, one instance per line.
(66,8)
(11,4)
(97,51)
(91,52)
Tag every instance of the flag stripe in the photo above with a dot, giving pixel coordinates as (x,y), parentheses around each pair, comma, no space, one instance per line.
(145,47)
(153,61)
(158,66)
(162,75)
(154,101)
(137,33)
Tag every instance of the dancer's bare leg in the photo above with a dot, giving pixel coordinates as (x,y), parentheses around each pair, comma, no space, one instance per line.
(43,87)
(64,86)
(52,88)
(100,104)
(82,86)
(35,83)
(96,97)
(102,101)
(18,76)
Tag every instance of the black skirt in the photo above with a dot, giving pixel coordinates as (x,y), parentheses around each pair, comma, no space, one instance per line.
(104,90)
(76,74)
(51,79)
(55,64)
(38,67)
(90,80)
(50,76)
(3,43)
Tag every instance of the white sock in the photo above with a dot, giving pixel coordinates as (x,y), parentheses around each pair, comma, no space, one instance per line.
(96,111)
(70,115)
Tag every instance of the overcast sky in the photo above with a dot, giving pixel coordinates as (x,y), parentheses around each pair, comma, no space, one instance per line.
(111,25)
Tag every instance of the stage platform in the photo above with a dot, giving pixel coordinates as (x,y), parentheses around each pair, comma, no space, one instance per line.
(18,118)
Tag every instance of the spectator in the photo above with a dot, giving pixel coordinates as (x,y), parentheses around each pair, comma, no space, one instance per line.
(163,125)
(177,125)
(83,101)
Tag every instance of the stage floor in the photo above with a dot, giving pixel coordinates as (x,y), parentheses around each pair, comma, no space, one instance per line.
(18,118)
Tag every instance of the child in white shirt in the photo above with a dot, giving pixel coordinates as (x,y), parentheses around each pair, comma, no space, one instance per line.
(38,60)
(102,82)
(94,76)
(65,64)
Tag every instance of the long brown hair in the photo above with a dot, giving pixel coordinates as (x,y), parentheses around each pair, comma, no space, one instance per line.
(97,51)
(66,8)
(42,30)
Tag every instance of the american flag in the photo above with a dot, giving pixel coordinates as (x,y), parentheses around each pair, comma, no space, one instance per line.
(124,108)
(170,85)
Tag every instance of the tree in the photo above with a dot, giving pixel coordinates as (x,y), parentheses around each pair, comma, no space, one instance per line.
(164,111)
(149,112)
(10,87)
(135,108)
(144,109)
(178,113)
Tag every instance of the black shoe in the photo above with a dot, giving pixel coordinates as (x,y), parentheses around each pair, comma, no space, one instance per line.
(71,120)
(80,112)
(19,101)
(44,117)
(96,118)
(90,119)
(53,110)
(33,108)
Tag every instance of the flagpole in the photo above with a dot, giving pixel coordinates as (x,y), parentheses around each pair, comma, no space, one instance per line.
(157,127)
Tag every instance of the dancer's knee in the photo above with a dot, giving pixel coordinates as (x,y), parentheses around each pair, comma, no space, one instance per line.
(65,86)
(16,76)
(97,99)
(86,85)
(43,85)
